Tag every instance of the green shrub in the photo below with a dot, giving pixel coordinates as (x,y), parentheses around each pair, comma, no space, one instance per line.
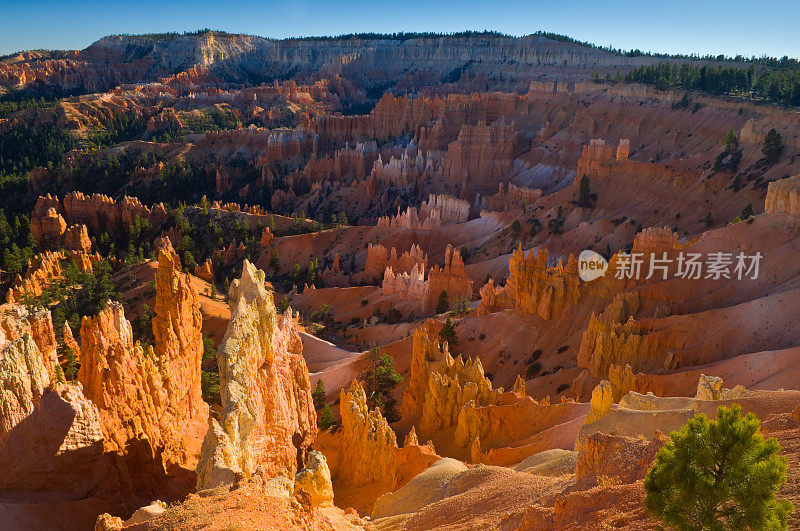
(718,474)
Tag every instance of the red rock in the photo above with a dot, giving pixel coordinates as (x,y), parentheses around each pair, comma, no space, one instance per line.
(511,197)
(599,162)
(613,457)
(333,276)
(422,295)
(440,386)
(364,457)
(98,212)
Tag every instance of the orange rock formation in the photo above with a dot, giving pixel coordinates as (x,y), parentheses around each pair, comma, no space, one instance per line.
(440,386)
(98,212)
(538,289)
(784,196)
(268,419)
(205,270)
(51,442)
(379,258)
(45,268)
(364,456)
(422,295)
(153,396)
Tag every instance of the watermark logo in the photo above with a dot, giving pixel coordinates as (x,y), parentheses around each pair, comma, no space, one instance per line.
(692,266)
(591,265)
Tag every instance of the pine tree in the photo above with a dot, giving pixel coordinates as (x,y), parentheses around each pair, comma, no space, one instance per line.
(325,419)
(274,261)
(71,364)
(747,211)
(584,192)
(311,272)
(448,333)
(318,394)
(718,474)
(773,146)
(443,304)
(379,381)
(730,142)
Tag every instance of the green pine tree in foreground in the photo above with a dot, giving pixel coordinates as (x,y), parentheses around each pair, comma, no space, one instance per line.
(718,474)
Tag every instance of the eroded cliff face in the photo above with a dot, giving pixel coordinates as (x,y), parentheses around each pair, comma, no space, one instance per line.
(446,208)
(600,161)
(379,258)
(364,456)
(43,269)
(334,276)
(24,379)
(411,219)
(268,418)
(440,386)
(48,228)
(480,157)
(451,277)
(421,294)
(149,398)
(614,340)
(537,288)
(177,329)
(784,196)
(369,444)
(216,56)
(510,197)
(123,380)
(451,401)
(617,458)
(39,324)
(606,342)
(97,212)
(51,439)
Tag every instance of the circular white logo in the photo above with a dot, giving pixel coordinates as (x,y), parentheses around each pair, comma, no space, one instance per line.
(591,265)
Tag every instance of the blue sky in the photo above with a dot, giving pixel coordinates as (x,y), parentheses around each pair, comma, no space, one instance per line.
(731,27)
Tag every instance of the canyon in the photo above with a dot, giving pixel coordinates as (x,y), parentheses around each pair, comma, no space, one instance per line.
(340,283)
